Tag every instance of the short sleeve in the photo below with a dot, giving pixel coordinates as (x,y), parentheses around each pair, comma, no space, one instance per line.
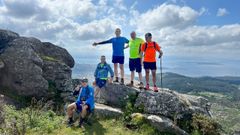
(126,40)
(143,47)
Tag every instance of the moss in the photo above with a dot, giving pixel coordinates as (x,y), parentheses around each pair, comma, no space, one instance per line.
(49,58)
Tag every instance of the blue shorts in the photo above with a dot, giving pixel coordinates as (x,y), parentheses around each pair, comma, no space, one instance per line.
(135,64)
(150,65)
(118,59)
(79,106)
(101,82)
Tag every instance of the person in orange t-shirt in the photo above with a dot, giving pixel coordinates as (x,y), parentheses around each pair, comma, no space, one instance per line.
(148,50)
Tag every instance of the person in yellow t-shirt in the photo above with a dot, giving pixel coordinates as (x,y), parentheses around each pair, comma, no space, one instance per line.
(135,60)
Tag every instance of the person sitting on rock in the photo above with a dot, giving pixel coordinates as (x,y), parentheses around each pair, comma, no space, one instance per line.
(101,75)
(84,103)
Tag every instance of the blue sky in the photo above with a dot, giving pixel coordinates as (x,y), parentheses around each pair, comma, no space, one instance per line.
(195,30)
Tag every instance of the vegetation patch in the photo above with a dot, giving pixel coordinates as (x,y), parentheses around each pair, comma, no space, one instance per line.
(49,58)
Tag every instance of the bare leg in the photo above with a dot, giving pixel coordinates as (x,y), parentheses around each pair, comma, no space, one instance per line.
(132,75)
(140,76)
(122,70)
(84,111)
(97,91)
(147,76)
(70,109)
(154,77)
(116,69)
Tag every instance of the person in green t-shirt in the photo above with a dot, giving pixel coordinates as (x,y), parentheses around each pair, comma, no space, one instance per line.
(135,60)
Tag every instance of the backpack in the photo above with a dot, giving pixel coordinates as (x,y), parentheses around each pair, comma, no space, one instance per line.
(146,46)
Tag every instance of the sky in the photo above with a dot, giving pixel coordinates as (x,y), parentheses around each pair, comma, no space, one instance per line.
(207,30)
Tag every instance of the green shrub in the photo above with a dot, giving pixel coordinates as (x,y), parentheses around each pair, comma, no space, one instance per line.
(38,118)
(204,125)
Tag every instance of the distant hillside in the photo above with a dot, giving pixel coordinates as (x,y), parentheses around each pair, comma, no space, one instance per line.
(186,84)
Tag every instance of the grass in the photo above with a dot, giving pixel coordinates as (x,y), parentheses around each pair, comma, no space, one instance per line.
(39,119)
(99,127)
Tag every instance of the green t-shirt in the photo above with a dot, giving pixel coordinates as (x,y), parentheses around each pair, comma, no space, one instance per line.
(135,47)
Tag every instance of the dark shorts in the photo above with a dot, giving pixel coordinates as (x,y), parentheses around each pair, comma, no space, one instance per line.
(150,65)
(79,107)
(135,64)
(100,82)
(118,59)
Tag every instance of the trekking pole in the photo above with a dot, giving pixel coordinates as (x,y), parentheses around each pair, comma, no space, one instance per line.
(161,72)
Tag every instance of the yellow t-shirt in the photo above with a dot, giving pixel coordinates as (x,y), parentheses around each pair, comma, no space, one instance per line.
(135,47)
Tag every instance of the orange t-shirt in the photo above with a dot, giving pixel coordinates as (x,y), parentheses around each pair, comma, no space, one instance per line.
(150,53)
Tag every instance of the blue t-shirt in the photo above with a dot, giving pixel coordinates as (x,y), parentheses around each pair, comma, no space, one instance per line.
(118,44)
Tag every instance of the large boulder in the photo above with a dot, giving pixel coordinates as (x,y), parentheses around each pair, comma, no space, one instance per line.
(5,37)
(32,68)
(171,104)
(116,95)
(161,123)
(163,103)
(56,52)
(22,73)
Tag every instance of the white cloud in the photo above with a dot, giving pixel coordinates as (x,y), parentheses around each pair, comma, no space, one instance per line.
(51,20)
(222,12)
(166,15)
(201,35)
(175,29)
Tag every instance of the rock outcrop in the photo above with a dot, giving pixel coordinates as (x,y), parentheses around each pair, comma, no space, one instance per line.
(30,66)
(160,109)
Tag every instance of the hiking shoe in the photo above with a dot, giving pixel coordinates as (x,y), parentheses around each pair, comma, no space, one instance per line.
(70,122)
(116,80)
(122,81)
(155,88)
(141,86)
(130,84)
(80,124)
(147,87)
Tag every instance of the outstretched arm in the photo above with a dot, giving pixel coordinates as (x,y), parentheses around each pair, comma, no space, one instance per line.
(103,42)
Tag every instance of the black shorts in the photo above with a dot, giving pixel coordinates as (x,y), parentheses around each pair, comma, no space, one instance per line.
(150,65)
(79,107)
(118,59)
(100,82)
(135,64)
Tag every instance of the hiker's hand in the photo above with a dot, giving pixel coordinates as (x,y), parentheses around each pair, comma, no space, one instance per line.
(160,54)
(95,44)
(94,83)
(77,88)
(110,80)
